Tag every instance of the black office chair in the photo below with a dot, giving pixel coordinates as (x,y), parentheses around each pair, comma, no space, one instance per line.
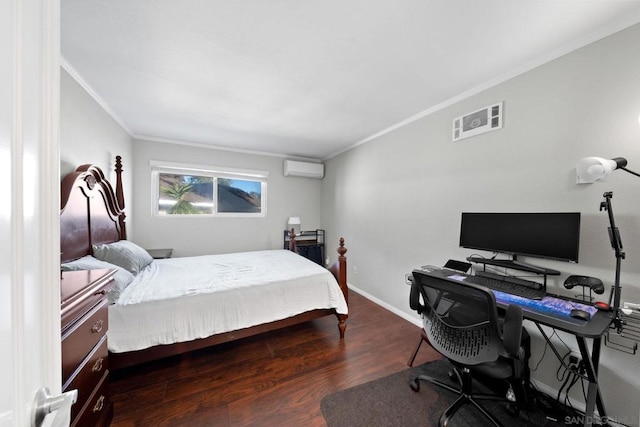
(461,322)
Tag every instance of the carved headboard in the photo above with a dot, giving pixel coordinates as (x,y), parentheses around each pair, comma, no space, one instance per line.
(91,213)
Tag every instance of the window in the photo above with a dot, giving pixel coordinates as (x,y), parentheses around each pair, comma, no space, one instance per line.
(180,189)
(185,194)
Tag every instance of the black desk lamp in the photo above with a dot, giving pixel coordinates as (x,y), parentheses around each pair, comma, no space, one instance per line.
(616,244)
(592,169)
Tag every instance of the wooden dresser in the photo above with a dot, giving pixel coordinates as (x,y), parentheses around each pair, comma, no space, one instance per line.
(85,364)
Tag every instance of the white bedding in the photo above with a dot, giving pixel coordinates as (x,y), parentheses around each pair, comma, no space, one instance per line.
(181,299)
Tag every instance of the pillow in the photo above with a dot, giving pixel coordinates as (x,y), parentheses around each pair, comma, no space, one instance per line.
(125,254)
(121,279)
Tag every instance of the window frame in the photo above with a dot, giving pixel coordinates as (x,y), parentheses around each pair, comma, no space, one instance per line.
(215,172)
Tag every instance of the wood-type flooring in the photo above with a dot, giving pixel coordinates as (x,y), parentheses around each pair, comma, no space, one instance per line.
(276,379)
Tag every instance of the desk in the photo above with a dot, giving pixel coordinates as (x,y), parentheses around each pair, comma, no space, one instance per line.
(582,330)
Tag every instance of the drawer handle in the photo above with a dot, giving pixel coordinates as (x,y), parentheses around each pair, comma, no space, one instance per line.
(97,327)
(97,367)
(99,404)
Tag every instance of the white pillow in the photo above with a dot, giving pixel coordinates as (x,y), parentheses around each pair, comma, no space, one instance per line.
(122,278)
(125,254)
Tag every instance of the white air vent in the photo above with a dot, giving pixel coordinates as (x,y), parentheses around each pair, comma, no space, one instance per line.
(305,169)
(481,121)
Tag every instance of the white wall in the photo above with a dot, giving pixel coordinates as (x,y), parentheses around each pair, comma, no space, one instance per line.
(286,196)
(397,199)
(89,135)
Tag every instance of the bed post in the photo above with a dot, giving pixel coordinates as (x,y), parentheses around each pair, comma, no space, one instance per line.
(120,198)
(342,281)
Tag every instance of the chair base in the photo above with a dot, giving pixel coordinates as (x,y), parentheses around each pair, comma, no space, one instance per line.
(465,395)
(423,338)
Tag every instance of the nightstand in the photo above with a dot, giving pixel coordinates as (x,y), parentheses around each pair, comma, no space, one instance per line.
(160,253)
(85,367)
(309,244)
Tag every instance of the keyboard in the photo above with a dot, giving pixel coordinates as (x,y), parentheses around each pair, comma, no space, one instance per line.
(501,283)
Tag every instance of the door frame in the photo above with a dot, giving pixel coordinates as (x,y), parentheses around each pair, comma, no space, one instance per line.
(29,210)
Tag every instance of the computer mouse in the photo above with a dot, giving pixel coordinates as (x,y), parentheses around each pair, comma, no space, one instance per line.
(576,313)
(602,306)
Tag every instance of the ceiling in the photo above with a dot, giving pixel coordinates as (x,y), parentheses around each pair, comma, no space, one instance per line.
(309,78)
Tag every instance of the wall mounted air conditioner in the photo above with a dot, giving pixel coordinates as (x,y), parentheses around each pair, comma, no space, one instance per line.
(305,169)
(481,121)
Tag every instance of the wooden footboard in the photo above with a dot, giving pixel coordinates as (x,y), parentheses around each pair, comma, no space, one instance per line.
(339,270)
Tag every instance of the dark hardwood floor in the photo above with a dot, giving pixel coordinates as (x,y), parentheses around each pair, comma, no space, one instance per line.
(275,379)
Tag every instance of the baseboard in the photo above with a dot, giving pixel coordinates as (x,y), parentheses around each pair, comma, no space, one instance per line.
(409,318)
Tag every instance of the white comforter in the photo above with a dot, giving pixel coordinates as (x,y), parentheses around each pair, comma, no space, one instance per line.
(181,299)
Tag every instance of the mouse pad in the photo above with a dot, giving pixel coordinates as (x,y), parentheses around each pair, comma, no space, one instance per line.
(548,304)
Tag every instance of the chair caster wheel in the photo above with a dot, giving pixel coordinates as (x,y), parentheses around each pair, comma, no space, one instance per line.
(415,385)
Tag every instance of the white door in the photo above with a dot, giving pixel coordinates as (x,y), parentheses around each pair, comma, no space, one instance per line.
(29,206)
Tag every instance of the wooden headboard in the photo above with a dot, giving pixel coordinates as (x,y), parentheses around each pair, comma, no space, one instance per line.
(91,212)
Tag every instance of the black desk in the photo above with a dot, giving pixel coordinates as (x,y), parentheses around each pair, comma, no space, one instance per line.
(582,330)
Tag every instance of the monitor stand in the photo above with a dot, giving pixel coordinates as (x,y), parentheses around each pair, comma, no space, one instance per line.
(516,265)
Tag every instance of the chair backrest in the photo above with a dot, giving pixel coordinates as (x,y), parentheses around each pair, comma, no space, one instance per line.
(460,319)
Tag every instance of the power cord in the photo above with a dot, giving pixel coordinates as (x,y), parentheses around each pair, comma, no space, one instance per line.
(576,374)
(544,351)
(561,376)
(569,374)
(546,346)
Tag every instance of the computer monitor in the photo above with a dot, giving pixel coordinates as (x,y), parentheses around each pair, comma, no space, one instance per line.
(550,235)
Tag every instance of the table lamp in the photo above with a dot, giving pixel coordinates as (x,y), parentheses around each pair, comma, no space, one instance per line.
(294,222)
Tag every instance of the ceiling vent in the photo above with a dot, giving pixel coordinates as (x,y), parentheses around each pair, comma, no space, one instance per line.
(481,121)
(305,169)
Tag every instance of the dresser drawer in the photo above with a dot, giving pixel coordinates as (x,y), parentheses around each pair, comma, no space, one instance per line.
(80,291)
(97,408)
(82,337)
(88,375)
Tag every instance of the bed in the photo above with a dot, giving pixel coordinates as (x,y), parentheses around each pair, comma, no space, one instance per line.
(171,306)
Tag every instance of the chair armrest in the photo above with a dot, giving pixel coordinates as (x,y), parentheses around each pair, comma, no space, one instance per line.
(414,298)
(512,330)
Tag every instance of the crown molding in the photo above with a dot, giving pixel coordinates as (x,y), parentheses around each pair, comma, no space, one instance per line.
(562,51)
(92,93)
(222,148)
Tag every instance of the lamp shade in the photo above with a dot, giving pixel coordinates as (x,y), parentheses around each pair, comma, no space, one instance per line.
(593,169)
(294,222)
